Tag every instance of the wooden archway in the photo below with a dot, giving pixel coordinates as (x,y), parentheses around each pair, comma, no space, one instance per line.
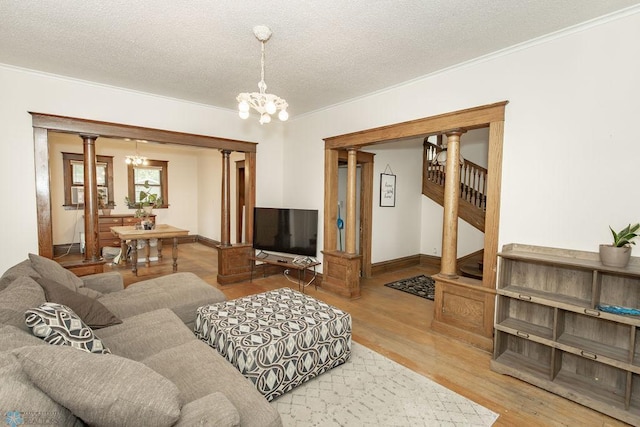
(469,303)
(90,130)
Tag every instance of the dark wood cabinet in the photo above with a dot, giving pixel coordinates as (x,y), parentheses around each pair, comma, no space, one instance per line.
(105,222)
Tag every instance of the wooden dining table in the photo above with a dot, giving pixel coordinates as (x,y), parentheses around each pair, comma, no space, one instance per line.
(160,231)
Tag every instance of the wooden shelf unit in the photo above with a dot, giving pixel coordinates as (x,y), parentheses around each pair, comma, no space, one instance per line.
(549,331)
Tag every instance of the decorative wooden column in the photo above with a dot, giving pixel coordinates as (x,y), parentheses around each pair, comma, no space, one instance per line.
(234,263)
(462,308)
(451,199)
(350,229)
(341,270)
(225,205)
(91,230)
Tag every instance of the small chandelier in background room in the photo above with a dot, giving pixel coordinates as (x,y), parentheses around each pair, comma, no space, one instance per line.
(264,103)
(441,158)
(136,160)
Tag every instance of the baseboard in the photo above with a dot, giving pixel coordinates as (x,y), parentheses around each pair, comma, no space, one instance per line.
(405,262)
(62,249)
(472,255)
(206,241)
(430,261)
(395,264)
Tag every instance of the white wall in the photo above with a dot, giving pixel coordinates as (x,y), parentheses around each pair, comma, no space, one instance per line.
(24,91)
(183,183)
(569,147)
(395,229)
(208,208)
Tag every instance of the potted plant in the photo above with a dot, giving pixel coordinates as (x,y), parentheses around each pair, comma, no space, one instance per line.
(619,253)
(103,204)
(144,206)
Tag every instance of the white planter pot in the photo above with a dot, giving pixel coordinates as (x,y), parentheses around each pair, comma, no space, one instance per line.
(613,256)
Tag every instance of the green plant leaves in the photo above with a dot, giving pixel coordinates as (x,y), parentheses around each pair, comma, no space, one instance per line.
(625,236)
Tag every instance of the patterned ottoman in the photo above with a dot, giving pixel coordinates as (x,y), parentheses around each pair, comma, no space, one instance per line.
(277,339)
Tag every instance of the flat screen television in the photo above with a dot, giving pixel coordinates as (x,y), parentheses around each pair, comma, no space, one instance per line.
(290,231)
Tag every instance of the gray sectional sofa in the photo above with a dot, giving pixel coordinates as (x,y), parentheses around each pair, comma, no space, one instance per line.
(137,360)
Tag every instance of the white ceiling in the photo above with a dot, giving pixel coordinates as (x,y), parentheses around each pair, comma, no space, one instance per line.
(321,52)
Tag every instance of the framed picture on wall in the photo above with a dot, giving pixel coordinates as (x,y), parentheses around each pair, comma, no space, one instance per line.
(387,190)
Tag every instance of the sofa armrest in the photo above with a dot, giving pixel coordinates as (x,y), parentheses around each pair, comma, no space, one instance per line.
(104,282)
(214,409)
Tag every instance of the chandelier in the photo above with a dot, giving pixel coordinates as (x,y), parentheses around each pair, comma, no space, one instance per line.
(441,158)
(264,103)
(136,159)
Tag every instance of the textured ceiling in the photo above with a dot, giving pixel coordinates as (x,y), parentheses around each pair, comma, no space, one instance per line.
(321,52)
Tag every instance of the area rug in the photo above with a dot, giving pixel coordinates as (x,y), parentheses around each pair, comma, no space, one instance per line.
(371,390)
(421,286)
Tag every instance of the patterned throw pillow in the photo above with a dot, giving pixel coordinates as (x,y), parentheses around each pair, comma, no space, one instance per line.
(57,324)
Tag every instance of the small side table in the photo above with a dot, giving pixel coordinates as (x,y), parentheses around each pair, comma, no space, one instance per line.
(287,263)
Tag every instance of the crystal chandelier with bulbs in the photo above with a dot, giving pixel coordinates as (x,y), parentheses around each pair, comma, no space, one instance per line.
(137,159)
(264,103)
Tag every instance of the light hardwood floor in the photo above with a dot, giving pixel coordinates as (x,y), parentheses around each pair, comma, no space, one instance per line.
(397,325)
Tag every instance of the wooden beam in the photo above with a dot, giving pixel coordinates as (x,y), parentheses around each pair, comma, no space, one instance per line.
(117,130)
(43,191)
(330,199)
(468,119)
(492,214)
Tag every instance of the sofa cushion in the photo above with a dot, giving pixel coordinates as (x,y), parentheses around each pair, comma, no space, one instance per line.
(146,334)
(21,269)
(12,337)
(58,324)
(183,293)
(198,370)
(102,390)
(104,283)
(91,311)
(52,270)
(24,403)
(22,294)
(211,410)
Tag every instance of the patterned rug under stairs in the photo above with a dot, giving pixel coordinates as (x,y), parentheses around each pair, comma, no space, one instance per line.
(421,286)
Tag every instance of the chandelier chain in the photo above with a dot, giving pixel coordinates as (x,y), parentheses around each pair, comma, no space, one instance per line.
(263,86)
(266,104)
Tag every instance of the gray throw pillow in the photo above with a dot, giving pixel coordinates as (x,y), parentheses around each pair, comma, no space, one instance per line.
(59,325)
(22,294)
(91,311)
(52,270)
(102,390)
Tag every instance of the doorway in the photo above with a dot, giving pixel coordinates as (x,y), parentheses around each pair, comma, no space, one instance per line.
(45,123)
(454,296)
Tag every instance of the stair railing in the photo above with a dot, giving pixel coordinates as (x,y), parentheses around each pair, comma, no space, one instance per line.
(473,177)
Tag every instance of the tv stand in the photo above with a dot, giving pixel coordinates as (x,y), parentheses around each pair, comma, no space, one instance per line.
(300,263)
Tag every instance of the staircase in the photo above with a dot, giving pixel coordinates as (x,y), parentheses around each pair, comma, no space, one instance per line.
(473,186)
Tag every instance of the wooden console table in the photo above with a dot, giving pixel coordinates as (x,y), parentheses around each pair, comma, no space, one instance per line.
(161,231)
(287,263)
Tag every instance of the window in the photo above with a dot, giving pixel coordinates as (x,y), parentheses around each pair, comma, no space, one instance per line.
(155,173)
(73,164)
